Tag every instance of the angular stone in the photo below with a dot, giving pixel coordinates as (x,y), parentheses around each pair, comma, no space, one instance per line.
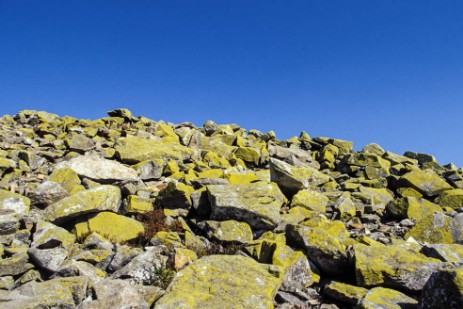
(223,281)
(444,252)
(73,268)
(451,198)
(15,265)
(229,231)
(13,206)
(48,235)
(47,193)
(133,149)
(113,227)
(385,298)
(444,289)
(116,293)
(150,169)
(412,208)
(344,292)
(124,254)
(98,199)
(401,267)
(257,204)
(80,143)
(427,182)
(67,178)
(322,241)
(433,229)
(292,179)
(48,259)
(311,200)
(99,169)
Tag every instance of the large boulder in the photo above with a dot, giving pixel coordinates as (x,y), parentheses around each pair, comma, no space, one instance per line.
(385,298)
(223,281)
(13,206)
(94,200)
(257,204)
(398,266)
(99,169)
(427,182)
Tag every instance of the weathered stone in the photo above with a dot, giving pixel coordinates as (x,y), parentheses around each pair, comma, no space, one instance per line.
(435,228)
(68,179)
(257,204)
(79,143)
(385,298)
(426,182)
(48,259)
(48,235)
(344,292)
(311,200)
(124,254)
(412,208)
(229,231)
(401,267)
(451,198)
(292,179)
(13,206)
(137,204)
(15,265)
(322,241)
(115,293)
(113,227)
(444,252)
(444,289)
(150,169)
(221,281)
(47,193)
(99,199)
(99,169)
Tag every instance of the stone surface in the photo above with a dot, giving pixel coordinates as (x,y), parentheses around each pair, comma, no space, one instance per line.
(98,199)
(426,182)
(386,299)
(223,281)
(47,193)
(257,204)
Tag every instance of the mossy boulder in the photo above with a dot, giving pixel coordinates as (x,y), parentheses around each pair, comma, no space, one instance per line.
(229,231)
(114,227)
(385,298)
(133,149)
(291,179)
(451,198)
(427,182)
(48,235)
(444,252)
(137,204)
(322,240)
(311,200)
(398,266)
(257,204)
(68,179)
(434,229)
(344,292)
(223,281)
(411,208)
(101,198)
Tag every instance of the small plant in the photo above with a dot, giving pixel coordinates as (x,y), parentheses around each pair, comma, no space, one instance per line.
(155,221)
(163,276)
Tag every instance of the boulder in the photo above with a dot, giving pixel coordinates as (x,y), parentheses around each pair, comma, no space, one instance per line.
(311,200)
(47,193)
(257,204)
(411,208)
(344,292)
(101,198)
(223,281)
(451,198)
(229,231)
(13,206)
(99,169)
(385,298)
(434,229)
(426,182)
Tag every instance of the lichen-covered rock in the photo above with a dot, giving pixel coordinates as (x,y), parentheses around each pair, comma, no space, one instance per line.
(222,281)
(99,169)
(322,241)
(98,199)
(113,227)
(68,179)
(132,149)
(292,179)
(451,198)
(433,229)
(15,265)
(229,231)
(427,182)
(48,259)
(13,206)
(344,292)
(444,289)
(412,208)
(137,204)
(399,266)
(257,204)
(48,235)
(311,200)
(385,298)
(444,252)
(47,193)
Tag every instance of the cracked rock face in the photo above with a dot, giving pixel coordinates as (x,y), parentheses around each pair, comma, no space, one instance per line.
(125,211)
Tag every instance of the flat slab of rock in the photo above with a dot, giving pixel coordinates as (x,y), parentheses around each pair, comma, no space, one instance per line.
(223,281)
(385,298)
(98,199)
(99,169)
(426,182)
(257,204)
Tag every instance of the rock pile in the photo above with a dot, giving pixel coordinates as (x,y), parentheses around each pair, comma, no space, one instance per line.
(127,212)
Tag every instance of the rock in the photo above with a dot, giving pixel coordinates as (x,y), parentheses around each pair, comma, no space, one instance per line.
(149,169)
(73,268)
(257,204)
(384,298)
(101,198)
(444,289)
(311,200)
(99,169)
(176,196)
(48,235)
(222,281)
(123,113)
(79,143)
(114,227)
(133,149)
(292,179)
(426,182)
(444,252)
(123,255)
(451,198)
(401,267)
(137,204)
(15,265)
(322,241)
(48,259)
(115,294)
(68,179)
(47,193)
(412,208)
(344,292)
(433,229)
(13,206)
(229,231)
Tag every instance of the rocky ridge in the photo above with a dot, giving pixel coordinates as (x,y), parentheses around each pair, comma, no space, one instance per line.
(127,212)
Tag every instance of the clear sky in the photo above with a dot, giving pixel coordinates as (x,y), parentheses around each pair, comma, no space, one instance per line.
(389,72)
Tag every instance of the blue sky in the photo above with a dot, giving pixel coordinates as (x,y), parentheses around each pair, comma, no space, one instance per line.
(389,72)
